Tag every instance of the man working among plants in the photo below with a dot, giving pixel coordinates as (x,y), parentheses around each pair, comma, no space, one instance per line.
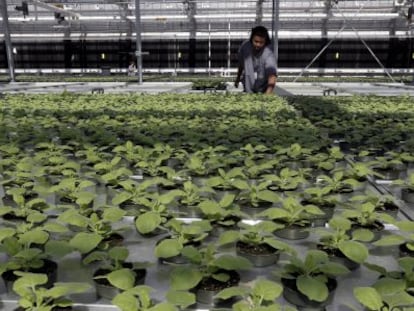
(257,64)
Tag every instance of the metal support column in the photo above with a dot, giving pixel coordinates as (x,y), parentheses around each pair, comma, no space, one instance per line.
(7,40)
(275,29)
(229,47)
(138,51)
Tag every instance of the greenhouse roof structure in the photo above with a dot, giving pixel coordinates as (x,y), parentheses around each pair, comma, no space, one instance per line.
(94,19)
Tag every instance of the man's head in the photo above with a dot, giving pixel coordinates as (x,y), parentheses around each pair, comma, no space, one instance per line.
(259,37)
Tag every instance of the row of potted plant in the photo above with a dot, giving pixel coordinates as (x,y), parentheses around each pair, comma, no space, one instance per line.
(78,143)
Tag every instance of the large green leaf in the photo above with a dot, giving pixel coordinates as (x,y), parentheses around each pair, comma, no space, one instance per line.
(184,278)
(389,286)
(406,225)
(228,237)
(168,248)
(363,235)
(227,200)
(85,197)
(268,196)
(58,248)
(85,242)
(368,297)
(63,289)
(163,306)
(312,288)
(229,262)
(6,232)
(126,302)
(233,291)
(390,240)
(112,214)
(354,250)
(148,222)
(37,236)
(123,278)
(181,298)
(22,286)
(267,289)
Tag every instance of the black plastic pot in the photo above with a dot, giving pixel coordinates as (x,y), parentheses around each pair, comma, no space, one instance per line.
(292,295)
(407,195)
(206,290)
(105,290)
(49,268)
(293,232)
(262,255)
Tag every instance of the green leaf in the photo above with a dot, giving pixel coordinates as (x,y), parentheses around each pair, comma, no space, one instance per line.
(229,262)
(37,236)
(354,250)
(85,242)
(163,306)
(390,240)
(402,298)
(181,299)
(126,302)
(333,268)
(268,196)
(5,210)
(363,235)
(63,289)
(406,225)
(26,281)
(269,290)
(389,286)
(72,217)
(168,248)
(368,297)
(184,278)
(113,214)
(233,291)
(312,288)
(148,222)
(123,279)
(58,248)
(228,237)
(121,197)
(118,253)
(55,227)
(227,200)
(6,232)
(84,197)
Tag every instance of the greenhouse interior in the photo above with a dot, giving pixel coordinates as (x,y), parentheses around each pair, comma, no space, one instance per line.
(168,155)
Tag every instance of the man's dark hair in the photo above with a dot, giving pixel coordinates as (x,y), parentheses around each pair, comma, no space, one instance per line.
(262,32)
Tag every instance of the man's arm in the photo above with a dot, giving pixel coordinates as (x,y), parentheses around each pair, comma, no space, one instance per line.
(238,76)
(271,82)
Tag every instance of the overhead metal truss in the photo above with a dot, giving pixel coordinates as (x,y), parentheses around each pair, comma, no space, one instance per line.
(171,19)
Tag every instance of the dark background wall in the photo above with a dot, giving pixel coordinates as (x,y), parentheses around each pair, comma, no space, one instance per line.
(393,53)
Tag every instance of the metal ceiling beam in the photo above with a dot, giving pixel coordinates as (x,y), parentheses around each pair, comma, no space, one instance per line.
(54,8)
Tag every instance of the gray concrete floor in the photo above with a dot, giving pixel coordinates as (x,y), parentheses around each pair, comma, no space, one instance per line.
(282,88)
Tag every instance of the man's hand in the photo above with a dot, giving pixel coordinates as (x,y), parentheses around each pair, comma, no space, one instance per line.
(236,83)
